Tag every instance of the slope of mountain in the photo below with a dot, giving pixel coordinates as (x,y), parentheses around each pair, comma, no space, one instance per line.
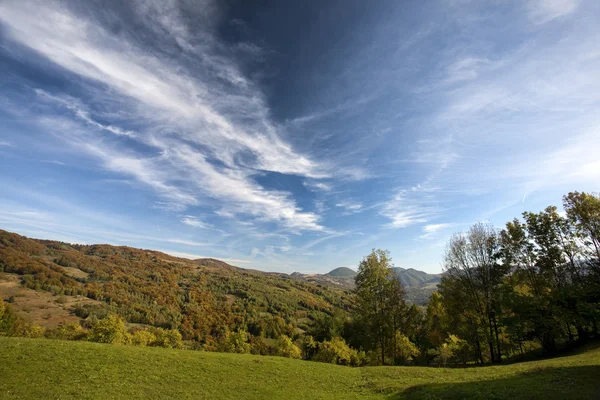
(52,282)
(414,278)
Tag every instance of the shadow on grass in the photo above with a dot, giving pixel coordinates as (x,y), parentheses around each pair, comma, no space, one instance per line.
(545,383)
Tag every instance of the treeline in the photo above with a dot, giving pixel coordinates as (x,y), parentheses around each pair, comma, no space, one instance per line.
(534,285)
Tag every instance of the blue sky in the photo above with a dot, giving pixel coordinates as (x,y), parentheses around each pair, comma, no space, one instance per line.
(293,136)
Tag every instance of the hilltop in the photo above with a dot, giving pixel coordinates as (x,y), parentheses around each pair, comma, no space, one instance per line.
(70,370)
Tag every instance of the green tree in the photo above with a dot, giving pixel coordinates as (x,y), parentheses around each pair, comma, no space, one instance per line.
(236,342)
(471,260)
(379,302)
(405,349)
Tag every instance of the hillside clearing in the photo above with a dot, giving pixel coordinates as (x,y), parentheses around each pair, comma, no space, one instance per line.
(42,368)
(42,307)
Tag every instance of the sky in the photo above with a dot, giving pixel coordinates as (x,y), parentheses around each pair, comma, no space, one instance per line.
(293,136)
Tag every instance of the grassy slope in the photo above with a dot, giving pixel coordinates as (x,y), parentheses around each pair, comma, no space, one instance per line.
(38,369)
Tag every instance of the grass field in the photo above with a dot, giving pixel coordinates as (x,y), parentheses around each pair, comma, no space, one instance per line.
(52,369)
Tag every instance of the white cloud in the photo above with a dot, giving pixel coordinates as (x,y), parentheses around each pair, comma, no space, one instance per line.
(410,207)
(431,229)
(188,118)
(191,256)
(542,11)
(195,222)
(4,143)
(350,206)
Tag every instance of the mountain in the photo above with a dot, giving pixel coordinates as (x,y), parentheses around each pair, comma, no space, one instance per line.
(419,285)
(342,272)
(414,278)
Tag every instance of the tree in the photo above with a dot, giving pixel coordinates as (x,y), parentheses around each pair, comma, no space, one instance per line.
(583,209)
(380,301)
(405,349)
(7,318)
(471,260)
(236,342)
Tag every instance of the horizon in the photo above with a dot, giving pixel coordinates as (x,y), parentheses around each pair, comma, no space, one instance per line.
(293,137)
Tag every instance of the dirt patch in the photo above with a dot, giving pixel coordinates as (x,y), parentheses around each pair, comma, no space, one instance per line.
(40,307)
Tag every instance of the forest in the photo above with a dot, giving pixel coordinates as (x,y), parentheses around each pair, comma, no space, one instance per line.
(529,288)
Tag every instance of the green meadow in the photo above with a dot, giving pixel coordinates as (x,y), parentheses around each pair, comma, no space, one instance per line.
(54,369)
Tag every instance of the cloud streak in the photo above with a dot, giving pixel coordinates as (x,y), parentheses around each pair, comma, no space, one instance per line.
(189,120)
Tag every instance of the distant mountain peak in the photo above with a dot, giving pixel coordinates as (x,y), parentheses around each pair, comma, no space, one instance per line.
(341,272)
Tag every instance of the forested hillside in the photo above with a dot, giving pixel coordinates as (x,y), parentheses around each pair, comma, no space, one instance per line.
(206,300)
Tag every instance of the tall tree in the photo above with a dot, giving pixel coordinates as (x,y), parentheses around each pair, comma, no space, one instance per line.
(380,301)
(472,260)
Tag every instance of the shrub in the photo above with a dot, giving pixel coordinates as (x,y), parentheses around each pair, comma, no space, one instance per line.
(235,342)
(142,337)
(27,329)
(258,346)
(108,330)
(336,351)
(73,331)
(405,349)
(7,318)
(309,347)
(169,338)
(284,347)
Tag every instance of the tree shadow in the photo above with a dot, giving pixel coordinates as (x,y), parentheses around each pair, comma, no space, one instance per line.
(582,382)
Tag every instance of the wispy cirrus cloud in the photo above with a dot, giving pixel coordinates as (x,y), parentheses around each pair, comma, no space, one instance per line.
(431,229)
(195,222)
(417,205)
(543,11)
(188,119)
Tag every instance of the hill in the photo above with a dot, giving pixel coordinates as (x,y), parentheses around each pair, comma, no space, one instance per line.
(70,370)
(52,282)
(414,278)
(419,285)
(342,272)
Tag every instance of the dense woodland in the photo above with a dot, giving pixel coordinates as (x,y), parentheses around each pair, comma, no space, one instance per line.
(532,286)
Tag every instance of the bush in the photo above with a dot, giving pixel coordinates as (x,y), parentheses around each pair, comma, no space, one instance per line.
(309,347)
(142,337)
(169,338)
(7,318)
(337,351)
(405,349)
(235,342)
(73,331)
(108,330)
(27,329)
(284,347)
